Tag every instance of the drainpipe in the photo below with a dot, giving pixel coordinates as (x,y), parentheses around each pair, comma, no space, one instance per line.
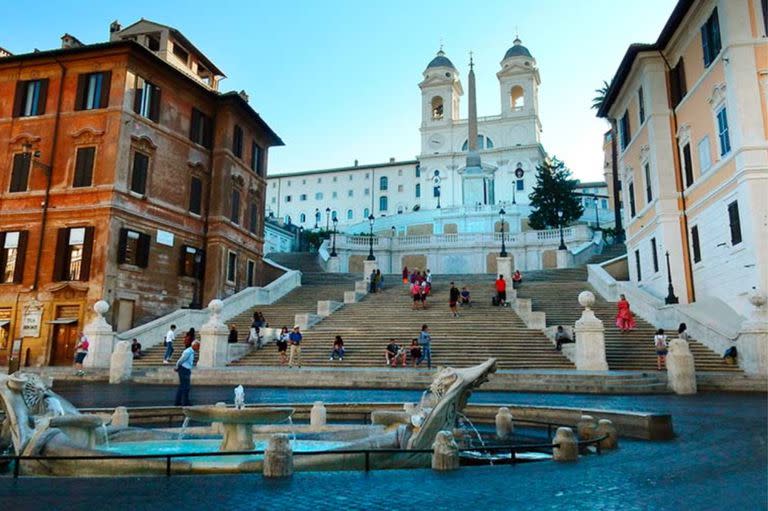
(688,266)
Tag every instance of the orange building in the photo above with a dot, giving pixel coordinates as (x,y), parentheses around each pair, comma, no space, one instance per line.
(128,177)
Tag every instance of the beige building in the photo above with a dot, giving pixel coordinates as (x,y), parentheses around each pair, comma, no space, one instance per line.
(692,119)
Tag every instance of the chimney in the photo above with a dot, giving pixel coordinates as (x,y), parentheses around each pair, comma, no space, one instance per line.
(70,41)
(391,160)
(355,163)
(243,95)
(114,27)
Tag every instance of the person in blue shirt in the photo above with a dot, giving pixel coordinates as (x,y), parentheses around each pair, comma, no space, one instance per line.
(184,367)
(294,340)
(425,341)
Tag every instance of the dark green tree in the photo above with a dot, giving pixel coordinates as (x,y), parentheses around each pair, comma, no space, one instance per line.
(554,191)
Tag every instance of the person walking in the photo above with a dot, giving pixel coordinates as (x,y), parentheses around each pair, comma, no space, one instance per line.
(416,294)
(338,348)
(372,282)
(465,298)
(294,339)
(184,367)
(660,344)
(424,292)
(625,320)
(254,331)
(189,338)
(682,332)
(453,299)
(501,291)
(81,351)
(425,342)
(282,345)
(405,274)
(170,336)
(379,281)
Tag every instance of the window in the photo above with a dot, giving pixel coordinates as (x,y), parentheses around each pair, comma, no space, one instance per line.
(625,134)
(237,141)
(383,183)
(435,191)
(687,165)
(250,273)
(303,197)
(399,172)
(654,255)
(139,173)
(234,213)
(84,166)
(366,213)
(399,188)
(74,247)
(648,186)
(335,178)
(350,193)
(631,192)
(253,224)
(20,172)
(722,132)
(367,191)
(734,222)
(191,264)
(195,195)
(334,195)
(764,6)
(705,156)
(133,248)
(483,142)
(418,190)
(695,243)
(710,38)
(383,203)
(350,177)
(318,195)
(256,159)
(517,98)
(200,128)
(350,215)
(678,88)
(418,170)
(13,247)
(180,52)
(437,108)
(303,181)
(146,101)
(367,175)
(302,218)
(231,267)
(30,98)
(604,203)
(641,105)
(520,184)
(288,183)
(287,198)
(93,91)
(637,266)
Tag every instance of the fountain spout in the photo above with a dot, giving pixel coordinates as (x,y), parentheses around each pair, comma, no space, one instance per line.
(239,397)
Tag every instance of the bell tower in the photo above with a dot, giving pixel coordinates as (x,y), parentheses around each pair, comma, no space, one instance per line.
(440,92)
(519,82)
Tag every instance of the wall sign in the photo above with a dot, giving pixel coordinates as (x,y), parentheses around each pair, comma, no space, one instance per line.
(31,319)
(165,238)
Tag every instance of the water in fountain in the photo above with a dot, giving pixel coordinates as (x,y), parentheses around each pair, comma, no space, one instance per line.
(293,431)
(466,420)
(239,397)
(106,436)
(183,428)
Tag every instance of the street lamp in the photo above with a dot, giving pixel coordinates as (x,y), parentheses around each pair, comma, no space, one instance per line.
(301,232)
(317,218)
(597,215)
(333,245)
(560,223)
(671,298)
(503,252)
(371,257)
(327,219)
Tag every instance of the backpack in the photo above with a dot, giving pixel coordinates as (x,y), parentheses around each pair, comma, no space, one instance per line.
(495,301)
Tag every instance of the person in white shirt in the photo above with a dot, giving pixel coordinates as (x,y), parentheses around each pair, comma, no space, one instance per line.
(170,336)
(660,344)
(184,367)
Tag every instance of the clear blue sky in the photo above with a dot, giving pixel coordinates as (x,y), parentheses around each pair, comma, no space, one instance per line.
(337,80)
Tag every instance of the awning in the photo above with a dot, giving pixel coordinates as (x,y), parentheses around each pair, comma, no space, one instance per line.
(4,322)
(62,321)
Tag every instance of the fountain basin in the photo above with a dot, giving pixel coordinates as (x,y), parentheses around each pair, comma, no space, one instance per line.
(81,429)
(237,423)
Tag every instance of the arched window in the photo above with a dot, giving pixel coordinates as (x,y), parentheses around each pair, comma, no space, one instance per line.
(399,209)
(333,215)
(349,214)
(418,190)
(483,142)
(302,218)
(366,213)
(383,183)
(288,219)
(517,98)
(383,203)
(437,108)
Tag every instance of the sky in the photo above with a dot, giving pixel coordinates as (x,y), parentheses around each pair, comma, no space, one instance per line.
(338,80)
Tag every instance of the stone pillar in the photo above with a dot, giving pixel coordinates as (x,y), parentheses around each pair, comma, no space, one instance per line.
(681,372)
(218,427)
(317,415)
(565,447)
(100,338)
(368,267)
(121,363)
(445,452)
(213,339)
(278,457)
(752,343)
(333,265)
(120,418)
(606,427)
(564,259)
(504,267)
(586,427)
(504,425)
(590,337)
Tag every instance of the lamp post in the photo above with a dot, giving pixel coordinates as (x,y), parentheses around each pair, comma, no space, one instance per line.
(597,214)
(317,218)
(503,252)
(327,219)
(560,223)
(371,257)
(671,298)
(333,245)
(301,231)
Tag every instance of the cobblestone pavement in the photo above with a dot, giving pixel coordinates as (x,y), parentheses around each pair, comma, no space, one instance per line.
(717,462)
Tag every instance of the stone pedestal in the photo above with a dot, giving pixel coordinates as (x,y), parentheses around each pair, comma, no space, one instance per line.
(278,457)
(317,415)
(567,447)
(504,267)
(121,363)
(333,265)
(237,437)
(681,372)
(217,427)
(590,337)
(305,320)
(504,424)
(606,428)
(362,286)
(586,428)
(100,336)
(120,418)
(563,259)
(327,307)
(352,296)
(213,339)
(445,452)
(752,343)
(368,267)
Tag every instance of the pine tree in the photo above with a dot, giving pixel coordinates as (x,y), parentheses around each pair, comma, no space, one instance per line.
(554,191)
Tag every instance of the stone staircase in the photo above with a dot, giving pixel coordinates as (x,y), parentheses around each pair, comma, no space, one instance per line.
(480,332)
(305,262)
(629,351)
(609,252)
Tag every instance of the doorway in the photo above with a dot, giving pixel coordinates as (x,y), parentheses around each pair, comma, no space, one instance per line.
(63,344)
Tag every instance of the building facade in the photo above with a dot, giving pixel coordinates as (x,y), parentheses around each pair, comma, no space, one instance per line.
(129,178)
(692,119)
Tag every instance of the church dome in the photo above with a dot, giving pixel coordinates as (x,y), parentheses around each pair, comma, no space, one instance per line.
(517,50)
(441,61)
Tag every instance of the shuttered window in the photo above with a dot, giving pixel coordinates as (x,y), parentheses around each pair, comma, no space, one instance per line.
(237,141)
(234,214)
(710,38)
(133,248)
(231,267)
(734,222)
(624,130)
(13,249)
(250,274)
(192,262)
(631,193)
(201,128)
(84,166)
(20,172)
(253,225)
(654,255)
(30,98)
(641,105)
(688,165)
(256,159)
(74,250)
(195,195)
(678,87)
(637,266)
(695,243)
(139,173)
(147,100)
(648,185)
(93,90)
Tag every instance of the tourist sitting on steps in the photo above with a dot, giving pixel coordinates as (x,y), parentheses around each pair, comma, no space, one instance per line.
(338,348)
(415,351)
(393,353)
(517,279)
(232,334)
(136,348)
(561,337)
(465,299)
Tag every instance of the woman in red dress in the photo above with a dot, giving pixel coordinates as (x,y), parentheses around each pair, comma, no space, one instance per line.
(625,320)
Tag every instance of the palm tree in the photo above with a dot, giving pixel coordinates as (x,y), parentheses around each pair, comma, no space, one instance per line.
(597,103)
